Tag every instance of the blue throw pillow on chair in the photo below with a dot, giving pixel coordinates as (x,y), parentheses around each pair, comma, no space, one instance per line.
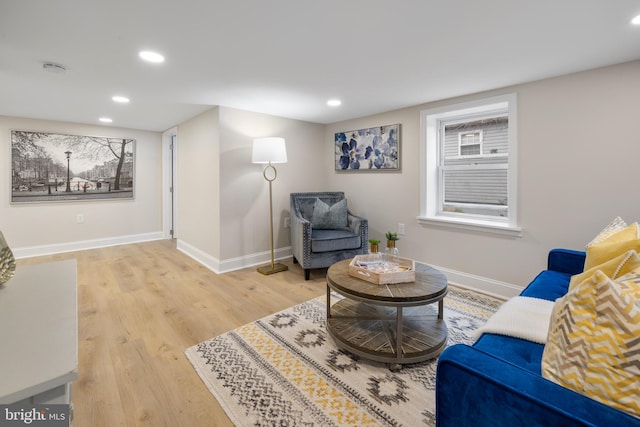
(327,217)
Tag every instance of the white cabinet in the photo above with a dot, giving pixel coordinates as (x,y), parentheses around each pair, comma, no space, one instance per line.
(39,334)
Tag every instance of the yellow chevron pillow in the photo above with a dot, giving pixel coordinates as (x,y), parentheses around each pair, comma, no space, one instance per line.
(618,243)
(613,268)
(564,359)
(593,345)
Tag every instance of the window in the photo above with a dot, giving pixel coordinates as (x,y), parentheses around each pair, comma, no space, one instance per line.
(468,165)
(470,143)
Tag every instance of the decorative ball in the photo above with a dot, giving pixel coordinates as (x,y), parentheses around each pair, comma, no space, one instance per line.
(7,261)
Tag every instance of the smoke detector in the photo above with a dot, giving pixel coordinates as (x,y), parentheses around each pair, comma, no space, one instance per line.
(54,68)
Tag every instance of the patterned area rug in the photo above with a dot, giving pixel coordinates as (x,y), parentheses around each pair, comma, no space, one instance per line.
(284,370)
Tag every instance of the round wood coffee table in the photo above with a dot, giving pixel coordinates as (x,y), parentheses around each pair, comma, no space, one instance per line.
(388,323)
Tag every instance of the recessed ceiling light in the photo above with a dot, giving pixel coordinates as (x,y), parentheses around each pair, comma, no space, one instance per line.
(105,120)
(334,102)
(636,20)
(54,68)
(151,56)
(121,99)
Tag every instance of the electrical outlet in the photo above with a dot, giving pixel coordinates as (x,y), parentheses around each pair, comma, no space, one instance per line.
(401,228)
(80,218)
(287,222)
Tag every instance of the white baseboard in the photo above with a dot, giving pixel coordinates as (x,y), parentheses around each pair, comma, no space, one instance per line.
(458,278)
(481,284)
(254,259)
(57,248)
(231,264)
(212,263)
(477,283)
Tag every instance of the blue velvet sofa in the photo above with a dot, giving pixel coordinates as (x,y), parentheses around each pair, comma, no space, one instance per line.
(497,381)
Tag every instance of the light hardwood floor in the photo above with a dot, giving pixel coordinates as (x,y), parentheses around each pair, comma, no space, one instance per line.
(139,307)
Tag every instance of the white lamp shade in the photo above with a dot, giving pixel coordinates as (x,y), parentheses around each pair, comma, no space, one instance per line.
(269,150)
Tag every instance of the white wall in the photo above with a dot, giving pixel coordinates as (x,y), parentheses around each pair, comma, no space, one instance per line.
(42,228)
(578,155)
(223,201)
(245,193)
(198,186)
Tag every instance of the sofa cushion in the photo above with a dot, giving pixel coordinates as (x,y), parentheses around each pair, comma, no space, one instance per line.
(549,285)
(593,346)
(334,217)
(522,353)
(333,240)
(615,245)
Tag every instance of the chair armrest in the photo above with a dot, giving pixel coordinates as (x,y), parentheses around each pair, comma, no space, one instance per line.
(300,222)
(360,226)
(474,387)
(566,261)
(355,223)
(300,238)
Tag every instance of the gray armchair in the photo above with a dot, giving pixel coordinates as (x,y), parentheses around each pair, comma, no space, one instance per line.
(315,242)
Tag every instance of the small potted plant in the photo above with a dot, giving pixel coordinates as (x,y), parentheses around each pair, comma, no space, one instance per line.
(391,237)
(391,242)
(374,245)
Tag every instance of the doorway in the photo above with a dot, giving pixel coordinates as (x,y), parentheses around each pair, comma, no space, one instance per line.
(169,179)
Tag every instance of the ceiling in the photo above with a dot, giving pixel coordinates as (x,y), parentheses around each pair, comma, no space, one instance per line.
(288,57)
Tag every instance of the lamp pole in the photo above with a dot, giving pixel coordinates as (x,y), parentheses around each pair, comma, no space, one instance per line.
(274,267)
(268,151)
(68,153)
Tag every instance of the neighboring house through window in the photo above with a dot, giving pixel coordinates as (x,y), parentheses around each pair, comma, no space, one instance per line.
(469,165)
(470,143)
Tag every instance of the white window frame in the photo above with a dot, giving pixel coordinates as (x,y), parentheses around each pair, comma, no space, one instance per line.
(431,200)
(462,144)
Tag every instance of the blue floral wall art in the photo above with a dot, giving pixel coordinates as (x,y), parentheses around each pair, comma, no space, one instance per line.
(372,149)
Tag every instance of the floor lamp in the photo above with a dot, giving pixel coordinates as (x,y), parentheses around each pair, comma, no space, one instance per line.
(268,151)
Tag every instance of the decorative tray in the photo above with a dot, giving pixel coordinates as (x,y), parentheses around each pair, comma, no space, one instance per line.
(382,269)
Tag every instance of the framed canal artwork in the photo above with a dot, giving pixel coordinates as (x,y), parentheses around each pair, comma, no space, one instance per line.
(54,167)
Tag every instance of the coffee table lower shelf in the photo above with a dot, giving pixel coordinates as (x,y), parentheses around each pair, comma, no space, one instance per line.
(371,331)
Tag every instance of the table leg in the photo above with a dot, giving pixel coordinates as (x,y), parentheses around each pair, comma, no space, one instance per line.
(441,309)
(328,302)
(395,367)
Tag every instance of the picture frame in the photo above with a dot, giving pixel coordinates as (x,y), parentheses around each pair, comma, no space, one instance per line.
(375,149)
(54,167)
